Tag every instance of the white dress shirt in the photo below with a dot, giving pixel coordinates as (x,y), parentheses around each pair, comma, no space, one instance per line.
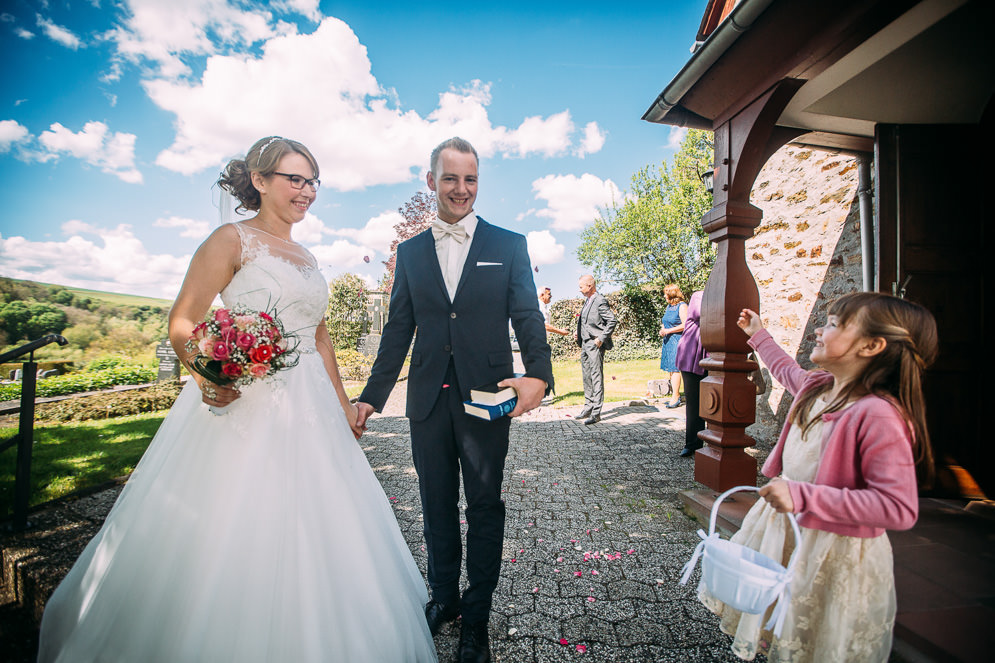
(452,254)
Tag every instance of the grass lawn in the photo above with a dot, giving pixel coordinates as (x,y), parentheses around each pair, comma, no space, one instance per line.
(624,380)
(68,457)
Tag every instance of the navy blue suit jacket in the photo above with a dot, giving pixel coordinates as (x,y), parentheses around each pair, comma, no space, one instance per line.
(496,285)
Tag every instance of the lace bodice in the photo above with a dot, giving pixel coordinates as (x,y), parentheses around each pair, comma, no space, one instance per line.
(279,277)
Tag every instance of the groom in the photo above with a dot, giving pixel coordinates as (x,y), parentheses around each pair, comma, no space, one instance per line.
(458,284)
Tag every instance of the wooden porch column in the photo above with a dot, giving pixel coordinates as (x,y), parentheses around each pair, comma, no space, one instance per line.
(743,143)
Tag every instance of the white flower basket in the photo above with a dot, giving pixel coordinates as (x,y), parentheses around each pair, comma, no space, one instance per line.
(741,577)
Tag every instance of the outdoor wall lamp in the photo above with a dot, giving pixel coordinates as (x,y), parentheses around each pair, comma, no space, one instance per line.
(707,179)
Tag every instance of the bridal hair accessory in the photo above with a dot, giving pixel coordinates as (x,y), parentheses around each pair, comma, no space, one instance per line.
(268,143)
(741,577)
(237,346)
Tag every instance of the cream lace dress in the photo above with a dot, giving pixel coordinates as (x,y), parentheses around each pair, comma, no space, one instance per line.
(843,593)
(258,536)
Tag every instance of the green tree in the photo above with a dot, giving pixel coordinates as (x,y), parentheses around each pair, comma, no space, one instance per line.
(14,317)
(45,319)
(654,236)
(347,315)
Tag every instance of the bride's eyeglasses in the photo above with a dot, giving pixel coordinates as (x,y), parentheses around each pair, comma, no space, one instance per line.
(298,181)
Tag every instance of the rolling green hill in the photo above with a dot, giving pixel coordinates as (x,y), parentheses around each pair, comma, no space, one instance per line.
(114,298)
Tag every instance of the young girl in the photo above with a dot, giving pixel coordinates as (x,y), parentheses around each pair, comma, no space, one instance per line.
(846,464)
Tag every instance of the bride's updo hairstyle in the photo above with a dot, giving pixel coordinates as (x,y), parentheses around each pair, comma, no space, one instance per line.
(262,158)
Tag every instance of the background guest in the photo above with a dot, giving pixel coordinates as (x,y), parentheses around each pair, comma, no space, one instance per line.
(545,297)
(689,355)
(671,329)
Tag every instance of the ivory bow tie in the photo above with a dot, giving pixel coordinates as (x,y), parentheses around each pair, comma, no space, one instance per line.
(457,232)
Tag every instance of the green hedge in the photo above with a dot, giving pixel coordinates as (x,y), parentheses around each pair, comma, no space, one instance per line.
(74,383)
(109,404)
(633,338)
(353,365)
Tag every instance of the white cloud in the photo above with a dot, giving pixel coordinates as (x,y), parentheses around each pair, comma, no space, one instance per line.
(593,141)
(116,261)
(58,34)
(23,34)
(543,249)
(572,202)
(11,132)
(377,234)
(189,227)
(359,136)
(338,257)
(548,137)
(309,230)
(161,33)
(307,8)
(675,136)
(113,153)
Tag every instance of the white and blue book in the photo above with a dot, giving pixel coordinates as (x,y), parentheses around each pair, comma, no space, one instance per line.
(490,412)
(492,394)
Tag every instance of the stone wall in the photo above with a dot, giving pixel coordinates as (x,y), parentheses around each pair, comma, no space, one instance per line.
(805,253)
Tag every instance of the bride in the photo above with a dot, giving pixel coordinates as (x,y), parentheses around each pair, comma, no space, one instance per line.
(260,534)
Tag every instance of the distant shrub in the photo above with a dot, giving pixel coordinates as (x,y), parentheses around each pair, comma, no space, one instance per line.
(159,396)
(86,381)
(105,362)
(353,365)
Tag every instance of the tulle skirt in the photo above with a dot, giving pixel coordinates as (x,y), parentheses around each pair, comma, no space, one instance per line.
(842,596)
(259,535)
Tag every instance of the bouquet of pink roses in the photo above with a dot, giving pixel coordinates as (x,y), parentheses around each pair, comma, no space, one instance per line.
(238,345)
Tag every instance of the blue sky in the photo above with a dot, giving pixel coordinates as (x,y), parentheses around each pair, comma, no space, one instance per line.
(116,117)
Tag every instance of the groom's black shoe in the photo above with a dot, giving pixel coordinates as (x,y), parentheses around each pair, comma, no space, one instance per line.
(437,614)
(473,644)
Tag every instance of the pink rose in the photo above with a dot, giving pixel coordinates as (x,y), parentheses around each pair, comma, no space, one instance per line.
(245,340)
(262,354)
(231,369)
(266,317)
(228,334)
(222,316)
(220,351)
(258,370)
(205,347)
(244,321)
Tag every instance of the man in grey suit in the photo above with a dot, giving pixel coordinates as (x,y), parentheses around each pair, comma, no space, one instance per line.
(595,325)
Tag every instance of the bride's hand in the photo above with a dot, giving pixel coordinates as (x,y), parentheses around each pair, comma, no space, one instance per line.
(216,394)
(352,416)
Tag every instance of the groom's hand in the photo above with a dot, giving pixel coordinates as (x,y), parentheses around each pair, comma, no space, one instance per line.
(530,393)
(364,410)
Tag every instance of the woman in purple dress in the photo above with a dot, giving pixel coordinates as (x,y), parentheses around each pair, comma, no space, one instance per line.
(689,356)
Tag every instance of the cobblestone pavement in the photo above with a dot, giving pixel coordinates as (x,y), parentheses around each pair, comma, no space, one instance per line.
(594,541)
(594,544)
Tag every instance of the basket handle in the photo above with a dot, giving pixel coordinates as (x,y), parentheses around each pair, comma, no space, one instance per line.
(791,519)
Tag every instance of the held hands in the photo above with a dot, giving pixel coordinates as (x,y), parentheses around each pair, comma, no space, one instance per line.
(363,412)
(530,393)
(352,415)
(778,495)
(749,321)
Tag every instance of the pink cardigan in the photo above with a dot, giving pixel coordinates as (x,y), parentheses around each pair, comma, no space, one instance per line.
(866,481)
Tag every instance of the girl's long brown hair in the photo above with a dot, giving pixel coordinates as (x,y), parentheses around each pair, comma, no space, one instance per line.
(896,373)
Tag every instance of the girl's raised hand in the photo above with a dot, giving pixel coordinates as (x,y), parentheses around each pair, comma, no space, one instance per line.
(778,495)
(749,321)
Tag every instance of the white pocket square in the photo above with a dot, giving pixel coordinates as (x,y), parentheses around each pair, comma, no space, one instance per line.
(488,264)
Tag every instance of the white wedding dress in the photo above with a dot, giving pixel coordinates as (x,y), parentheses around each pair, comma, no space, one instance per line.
(258,535)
